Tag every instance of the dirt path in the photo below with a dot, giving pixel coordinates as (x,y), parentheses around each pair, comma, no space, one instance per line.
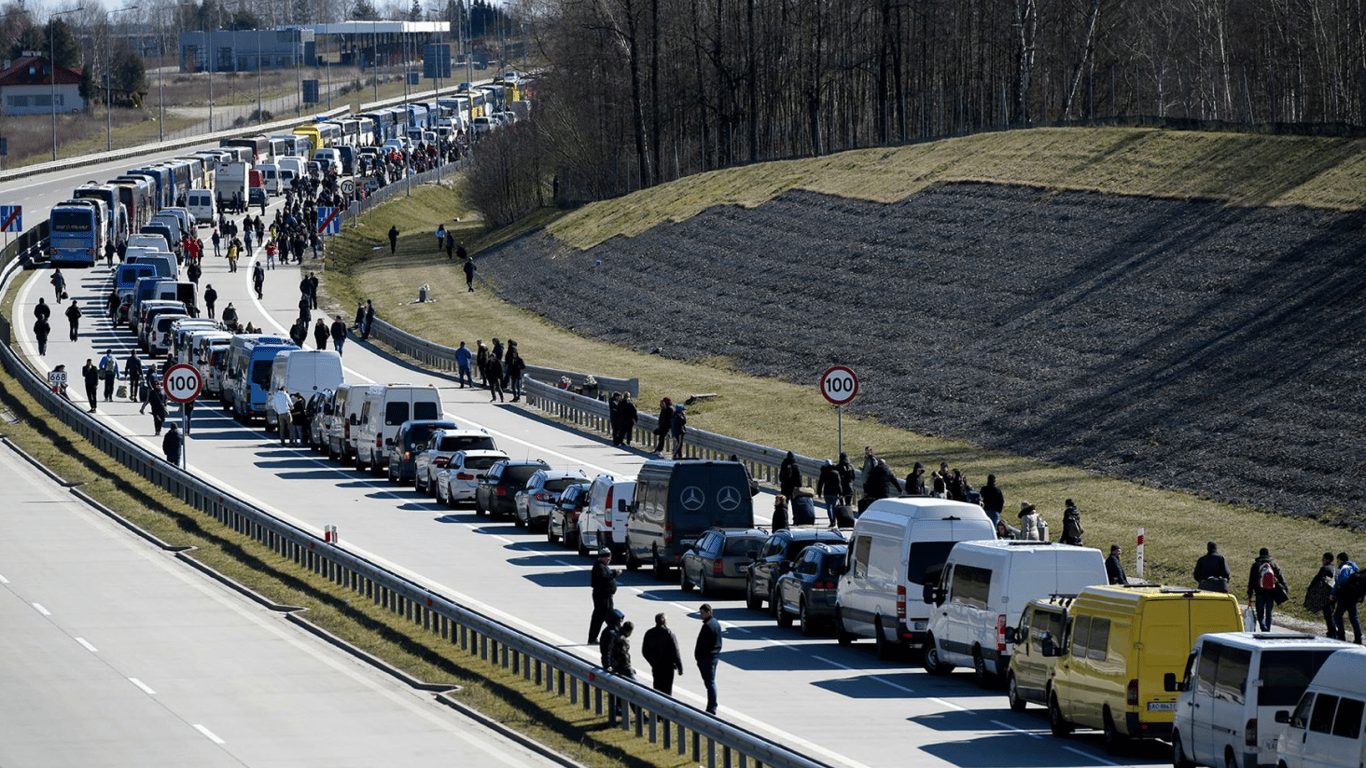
(1180,343)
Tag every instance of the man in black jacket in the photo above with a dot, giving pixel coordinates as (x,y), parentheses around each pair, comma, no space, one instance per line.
(604,581)
(1114,569)
(993,501)
(1211,570)
(707,652)
(660,649)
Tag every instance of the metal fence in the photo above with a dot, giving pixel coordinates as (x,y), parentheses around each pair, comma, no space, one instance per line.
(626,704)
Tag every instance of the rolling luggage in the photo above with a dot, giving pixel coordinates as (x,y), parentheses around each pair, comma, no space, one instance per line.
(845,515)
(803,510)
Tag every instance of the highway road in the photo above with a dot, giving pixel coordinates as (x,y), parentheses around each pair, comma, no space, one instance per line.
(117,654)
(840,705)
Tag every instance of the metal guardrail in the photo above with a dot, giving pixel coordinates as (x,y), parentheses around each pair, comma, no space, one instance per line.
(627,704)
(442,358)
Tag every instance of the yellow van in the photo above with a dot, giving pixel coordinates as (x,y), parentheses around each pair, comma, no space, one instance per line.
(1121,642)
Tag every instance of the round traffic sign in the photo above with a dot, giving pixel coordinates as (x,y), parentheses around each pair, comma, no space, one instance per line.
(183,383)
(839,385)
(348,187)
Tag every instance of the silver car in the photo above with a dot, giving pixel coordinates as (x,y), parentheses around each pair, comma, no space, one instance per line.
(543,489)
(457,481)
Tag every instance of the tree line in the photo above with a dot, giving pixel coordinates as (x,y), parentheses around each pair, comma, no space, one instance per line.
(643,91)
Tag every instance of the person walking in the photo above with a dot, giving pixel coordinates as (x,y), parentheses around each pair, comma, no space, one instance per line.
(170,445)
(440,238)
(58,281)
(230,317)
(132,368)
(156,400)
(321,333)
(217,242)
(828,488)
(679,429)
(369,319)
(516,366)
(109,373)
(469,273)
(338,333)
(280,403)
(493,373)
(660,649)
(393,240)
(481,362)
(462,366)
(210,297)
(1029,522)
(1317,596)
(258,279)
(666,420)
(620,656)
(1071,523)
(845,468)
(41,329)
(604,583)
(73,318)
(1344,599)
(994,501)
(1211,570)
(707,653)
(789,475)
(91,375)
(1265,587)
(1114,569)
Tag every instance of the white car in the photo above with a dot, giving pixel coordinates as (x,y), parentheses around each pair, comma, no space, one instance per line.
(457,481)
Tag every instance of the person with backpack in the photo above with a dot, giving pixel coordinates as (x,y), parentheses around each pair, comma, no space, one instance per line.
(1347,592)
(109,373)
(1318,595)
(1265,587)
(1071,525)
(678,428)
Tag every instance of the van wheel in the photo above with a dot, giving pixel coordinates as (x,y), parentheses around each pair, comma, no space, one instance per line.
(1060,727)
(933,664)
(842,635)
(1017,704)
(752,602)
(807,626)
(1115,742)
(658,568)
(886,649)
(683,580)
(1179,758)
(980,674)
(1230,761)
(632,562)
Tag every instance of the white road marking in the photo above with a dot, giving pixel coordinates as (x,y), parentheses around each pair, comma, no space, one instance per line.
(42,610)
(3,580)
(145,689)
(1090,756)
(208,733)
(86,645)
(878,678)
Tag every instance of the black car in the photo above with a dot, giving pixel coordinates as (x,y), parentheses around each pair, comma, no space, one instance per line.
(776,557)
(408,441)
(807,592)
(497,492)
(564,516)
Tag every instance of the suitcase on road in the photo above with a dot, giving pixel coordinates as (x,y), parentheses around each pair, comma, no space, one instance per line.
(845,515)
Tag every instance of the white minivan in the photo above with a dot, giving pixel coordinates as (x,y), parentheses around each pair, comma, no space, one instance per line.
(897,547)
(270,178)
(303,372)
(603,521)
(384,409)
(1234,684)
(200,204)
(1325,730)
(983,589)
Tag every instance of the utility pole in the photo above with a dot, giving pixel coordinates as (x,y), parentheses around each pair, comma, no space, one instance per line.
(109,82)
(52,68)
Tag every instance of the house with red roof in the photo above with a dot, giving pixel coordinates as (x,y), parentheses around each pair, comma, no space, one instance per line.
(27,87)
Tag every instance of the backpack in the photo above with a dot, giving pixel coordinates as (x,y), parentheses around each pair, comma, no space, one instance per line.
(1266,577)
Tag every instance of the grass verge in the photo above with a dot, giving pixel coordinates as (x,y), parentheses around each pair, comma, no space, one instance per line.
(793,415)
(493,691)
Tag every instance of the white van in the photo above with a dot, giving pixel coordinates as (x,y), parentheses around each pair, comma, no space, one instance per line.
(200,203)
(295,167)
(347,400)
(983,589)
(303,372)
(385,408)
(328,159)
(1325,730)
(270,178)
(897,547)
(603,520)
(207,348)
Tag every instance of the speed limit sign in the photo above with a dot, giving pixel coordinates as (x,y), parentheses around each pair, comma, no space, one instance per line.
(183,383)
(839,385)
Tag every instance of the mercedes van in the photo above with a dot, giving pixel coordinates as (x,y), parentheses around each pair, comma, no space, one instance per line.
(1325,729)
(383,410)
(1232,688)
(675,502)
(1124,641)
(984,587)
(303,372)
(897,547)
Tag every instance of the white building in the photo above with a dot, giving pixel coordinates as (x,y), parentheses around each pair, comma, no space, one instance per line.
(26,87)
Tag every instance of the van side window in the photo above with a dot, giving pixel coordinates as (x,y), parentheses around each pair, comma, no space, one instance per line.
(1348,722)
(970,585)
(1050,622)
(1081,635)
(1322,719)
(1231,678)
(1099,643)
(1301,717)
(1209,668)
(861,547)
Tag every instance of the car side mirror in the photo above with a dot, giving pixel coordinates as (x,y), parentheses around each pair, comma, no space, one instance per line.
(1010,635)
(354,420)
(622,506)
(1282,716)
(1169,682)
(784,566)
(1047,647)
(753,554)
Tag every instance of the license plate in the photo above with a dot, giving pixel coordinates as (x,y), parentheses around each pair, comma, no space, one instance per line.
(742,569)
(1161,706)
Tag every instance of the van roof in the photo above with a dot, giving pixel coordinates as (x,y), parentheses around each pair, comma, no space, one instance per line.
(927,507)
(1277,640)
(1343,671)
(1138,593)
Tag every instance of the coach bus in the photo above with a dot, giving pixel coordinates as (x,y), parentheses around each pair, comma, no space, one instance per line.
(116,224)
(76,233)
(259,145)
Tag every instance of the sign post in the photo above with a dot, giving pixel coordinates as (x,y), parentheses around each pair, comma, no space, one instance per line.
(839,385)
(1138,561)
(183,384)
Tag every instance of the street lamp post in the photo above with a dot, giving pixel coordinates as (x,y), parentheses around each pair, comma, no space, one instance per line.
(52,69)
(109,83)
(260,107)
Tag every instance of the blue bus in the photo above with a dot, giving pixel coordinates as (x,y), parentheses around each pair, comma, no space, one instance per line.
(76,233)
